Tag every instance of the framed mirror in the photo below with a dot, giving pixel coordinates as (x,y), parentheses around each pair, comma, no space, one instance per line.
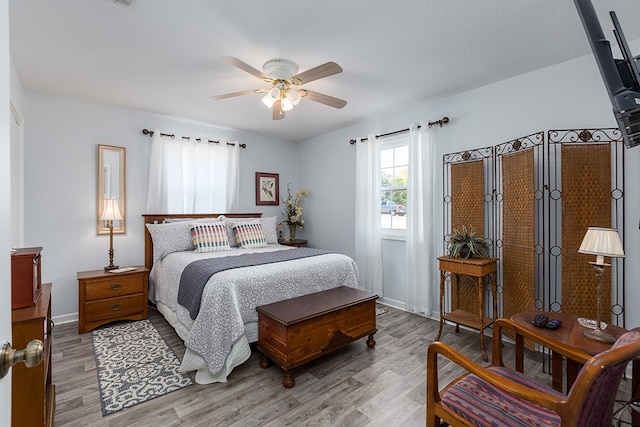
(111,186)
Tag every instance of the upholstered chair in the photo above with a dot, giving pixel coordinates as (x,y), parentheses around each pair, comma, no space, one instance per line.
(499,396)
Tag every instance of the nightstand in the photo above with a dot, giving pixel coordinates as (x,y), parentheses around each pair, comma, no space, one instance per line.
(296,242)
(105,297)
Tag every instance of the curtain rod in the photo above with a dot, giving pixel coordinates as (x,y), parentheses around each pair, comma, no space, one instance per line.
(442,121)
(172,136)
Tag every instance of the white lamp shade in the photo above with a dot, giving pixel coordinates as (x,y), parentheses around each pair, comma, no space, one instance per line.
(286,104)
(602,242)
(111,211)
(268,101)
(293,96)
(274,93)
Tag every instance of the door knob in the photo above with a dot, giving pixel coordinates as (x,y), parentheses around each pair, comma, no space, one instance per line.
(32,356)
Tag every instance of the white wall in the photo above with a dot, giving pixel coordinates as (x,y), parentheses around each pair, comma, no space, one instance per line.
(568,95)
(61,138)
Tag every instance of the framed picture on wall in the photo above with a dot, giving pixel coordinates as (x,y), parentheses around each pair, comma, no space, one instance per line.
(267,188)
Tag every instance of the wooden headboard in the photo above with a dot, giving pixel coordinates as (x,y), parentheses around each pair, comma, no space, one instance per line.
(159,218)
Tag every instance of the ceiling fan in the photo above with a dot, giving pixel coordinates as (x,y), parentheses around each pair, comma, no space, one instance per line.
(284,78)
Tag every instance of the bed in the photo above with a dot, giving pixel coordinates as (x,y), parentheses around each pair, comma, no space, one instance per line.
(218,329)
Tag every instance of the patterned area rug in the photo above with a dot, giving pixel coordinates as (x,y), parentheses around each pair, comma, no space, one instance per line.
(134,365)
(380,311)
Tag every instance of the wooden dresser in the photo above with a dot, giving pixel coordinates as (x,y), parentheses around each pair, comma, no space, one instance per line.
(105,297)
(33,400)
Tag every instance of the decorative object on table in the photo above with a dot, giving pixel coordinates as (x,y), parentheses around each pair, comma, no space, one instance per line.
(466,244)
(267,188)
(600,242)
(553,324)
(111,212)
(591,324)
(540,320)
(293,211)
(134,364)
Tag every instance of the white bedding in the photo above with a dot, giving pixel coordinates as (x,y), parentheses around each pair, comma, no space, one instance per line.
(218,339)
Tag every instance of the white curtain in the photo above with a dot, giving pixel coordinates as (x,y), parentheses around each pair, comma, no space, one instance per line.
(368,242)
(420,245)
(186,176)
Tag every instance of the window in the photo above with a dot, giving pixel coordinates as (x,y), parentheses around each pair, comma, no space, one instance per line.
(394,162)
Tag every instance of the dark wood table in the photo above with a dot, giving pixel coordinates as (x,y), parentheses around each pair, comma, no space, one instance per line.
(570,334)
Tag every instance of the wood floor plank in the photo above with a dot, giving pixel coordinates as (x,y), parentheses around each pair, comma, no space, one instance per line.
(355,386)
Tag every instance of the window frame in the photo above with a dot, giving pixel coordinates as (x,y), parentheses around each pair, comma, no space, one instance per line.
(388,143)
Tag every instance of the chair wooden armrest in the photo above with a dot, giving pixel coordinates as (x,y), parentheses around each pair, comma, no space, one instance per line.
(558,347)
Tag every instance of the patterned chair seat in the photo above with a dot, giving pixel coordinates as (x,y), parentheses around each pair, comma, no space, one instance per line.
(496,396)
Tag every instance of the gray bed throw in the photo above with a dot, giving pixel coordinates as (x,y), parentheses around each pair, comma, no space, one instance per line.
(196,275)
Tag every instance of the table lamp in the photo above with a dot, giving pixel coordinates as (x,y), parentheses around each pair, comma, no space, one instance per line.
(600,242)
(111,212)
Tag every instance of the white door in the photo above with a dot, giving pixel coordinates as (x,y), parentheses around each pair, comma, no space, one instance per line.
(5,209)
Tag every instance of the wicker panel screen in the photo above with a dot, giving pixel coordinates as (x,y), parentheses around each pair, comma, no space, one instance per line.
(518,239)
(467,208)
(586,201)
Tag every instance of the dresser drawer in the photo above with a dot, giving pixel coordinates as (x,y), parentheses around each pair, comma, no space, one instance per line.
(113,287)
(114,307)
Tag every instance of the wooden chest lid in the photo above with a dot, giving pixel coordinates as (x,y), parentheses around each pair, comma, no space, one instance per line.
(316,304)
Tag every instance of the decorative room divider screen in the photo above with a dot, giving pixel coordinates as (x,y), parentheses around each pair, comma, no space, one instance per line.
(533,198)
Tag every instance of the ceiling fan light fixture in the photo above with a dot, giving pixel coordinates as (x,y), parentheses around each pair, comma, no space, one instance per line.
(287,105)
(274,93)
(267,100)
(281,74)
(293,96)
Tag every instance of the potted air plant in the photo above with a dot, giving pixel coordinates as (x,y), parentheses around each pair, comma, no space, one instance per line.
(466,244)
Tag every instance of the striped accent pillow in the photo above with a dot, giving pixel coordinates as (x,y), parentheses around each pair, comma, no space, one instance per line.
(210,237)
(249,234)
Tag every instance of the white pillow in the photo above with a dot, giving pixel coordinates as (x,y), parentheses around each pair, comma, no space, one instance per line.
(249,234)
(170,237)
(210,237)
(270,227)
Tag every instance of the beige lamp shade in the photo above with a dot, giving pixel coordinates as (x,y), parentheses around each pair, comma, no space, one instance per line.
(602,242)
(111,211)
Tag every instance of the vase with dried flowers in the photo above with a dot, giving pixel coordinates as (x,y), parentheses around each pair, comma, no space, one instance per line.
(293,211)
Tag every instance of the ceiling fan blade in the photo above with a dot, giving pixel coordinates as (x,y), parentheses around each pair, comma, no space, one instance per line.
(323,99)
(321,71)
(232,94)
(246,67)
(277,110)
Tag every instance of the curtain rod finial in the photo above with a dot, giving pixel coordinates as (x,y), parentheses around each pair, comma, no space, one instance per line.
(147,132)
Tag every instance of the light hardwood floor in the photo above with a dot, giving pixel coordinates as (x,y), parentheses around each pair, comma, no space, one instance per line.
(355,386)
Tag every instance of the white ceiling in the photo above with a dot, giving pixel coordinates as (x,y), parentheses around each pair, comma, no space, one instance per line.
(164,56)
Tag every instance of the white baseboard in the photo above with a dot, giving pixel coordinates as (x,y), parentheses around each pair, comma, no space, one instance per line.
(67,318)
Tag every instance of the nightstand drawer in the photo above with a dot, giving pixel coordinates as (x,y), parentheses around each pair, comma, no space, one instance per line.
(114,307)
(112,287)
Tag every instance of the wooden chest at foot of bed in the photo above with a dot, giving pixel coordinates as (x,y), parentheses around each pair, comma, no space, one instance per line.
(298,330)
